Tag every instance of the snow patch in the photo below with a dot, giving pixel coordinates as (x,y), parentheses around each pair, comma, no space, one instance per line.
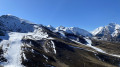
(48,46)
(98,49)
(89,44)
(24,56)
(50,38)
(12,48)
(38,34)
(62,33)
(53,45)
(45,57)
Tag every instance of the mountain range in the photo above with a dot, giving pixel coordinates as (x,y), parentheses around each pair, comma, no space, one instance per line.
(25,44)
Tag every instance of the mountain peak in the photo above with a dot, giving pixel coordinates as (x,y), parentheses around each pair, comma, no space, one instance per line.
(74,30)
(51,27)
(15,24)
(9,15)
(112,29)
(112,24)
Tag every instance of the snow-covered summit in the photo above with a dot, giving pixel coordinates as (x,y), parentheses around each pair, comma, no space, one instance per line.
(97,30)
(51,27)
(74,30)
(15,24)
(112,29)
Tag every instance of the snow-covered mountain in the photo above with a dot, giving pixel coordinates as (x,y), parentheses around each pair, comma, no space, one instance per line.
(74,30)
(15,24)
(51,27)
(71,30)
(25,44)
(112,30)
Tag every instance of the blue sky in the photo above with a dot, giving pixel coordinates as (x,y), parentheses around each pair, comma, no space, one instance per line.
(86,14)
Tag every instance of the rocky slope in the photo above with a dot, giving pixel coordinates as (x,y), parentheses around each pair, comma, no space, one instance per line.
(24,44)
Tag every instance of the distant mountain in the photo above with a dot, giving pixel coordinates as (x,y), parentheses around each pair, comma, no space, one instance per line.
(110,31)
(74,30)
(70,30)
(51,27)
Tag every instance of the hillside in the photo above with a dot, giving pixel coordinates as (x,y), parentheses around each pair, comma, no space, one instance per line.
(25,44)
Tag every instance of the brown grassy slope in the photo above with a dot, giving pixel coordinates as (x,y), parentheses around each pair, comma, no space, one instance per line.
(109,47)
(66,56)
